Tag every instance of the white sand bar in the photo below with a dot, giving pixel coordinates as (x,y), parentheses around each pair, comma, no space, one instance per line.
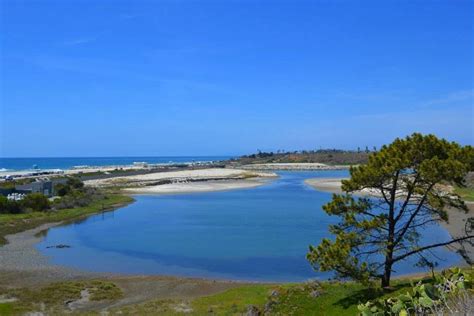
(326,184)
(199,180)
(203,186)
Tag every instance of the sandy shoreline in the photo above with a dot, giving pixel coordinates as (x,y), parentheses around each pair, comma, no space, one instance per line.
(332,185)
(198,186)
(20,257)
(180,181)
(22,265)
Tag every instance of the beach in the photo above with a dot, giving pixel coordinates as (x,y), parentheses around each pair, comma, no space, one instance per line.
(186,181)
(200,186)
(332,185)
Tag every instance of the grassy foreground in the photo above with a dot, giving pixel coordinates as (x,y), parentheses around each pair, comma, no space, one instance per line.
(15,223)
(312,298)
(467,194)
(324,298)
(55,297)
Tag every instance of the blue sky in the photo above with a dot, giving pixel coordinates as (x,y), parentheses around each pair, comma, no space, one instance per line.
(105,78)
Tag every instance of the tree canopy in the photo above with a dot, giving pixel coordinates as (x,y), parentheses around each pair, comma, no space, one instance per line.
(406,183)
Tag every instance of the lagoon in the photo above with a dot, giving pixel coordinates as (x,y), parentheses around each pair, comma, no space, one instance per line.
(257,234)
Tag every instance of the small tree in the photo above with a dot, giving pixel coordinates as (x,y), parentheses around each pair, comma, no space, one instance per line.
(376,233)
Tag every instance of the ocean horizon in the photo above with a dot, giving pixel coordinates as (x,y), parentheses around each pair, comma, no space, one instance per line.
(27,163)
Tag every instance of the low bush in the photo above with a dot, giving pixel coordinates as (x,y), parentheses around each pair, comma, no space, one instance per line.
(449,293)
(78,198)
(35,202)
(9,207)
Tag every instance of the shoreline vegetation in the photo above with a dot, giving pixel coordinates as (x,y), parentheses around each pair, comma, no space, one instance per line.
(28,282)
(16,223)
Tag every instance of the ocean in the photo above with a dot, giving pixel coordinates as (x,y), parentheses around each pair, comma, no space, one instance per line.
(16,164)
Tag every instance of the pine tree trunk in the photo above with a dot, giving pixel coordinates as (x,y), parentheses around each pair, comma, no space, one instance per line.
(387,272)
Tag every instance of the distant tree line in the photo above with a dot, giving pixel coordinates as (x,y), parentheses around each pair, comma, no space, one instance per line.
(327,156)
(281,152)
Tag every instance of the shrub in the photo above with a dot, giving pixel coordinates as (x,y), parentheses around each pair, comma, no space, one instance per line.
(450,290)
(78,198)
(36,202)
(9,207)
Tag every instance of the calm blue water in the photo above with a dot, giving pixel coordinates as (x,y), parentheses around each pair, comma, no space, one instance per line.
(66,163)
(252,234)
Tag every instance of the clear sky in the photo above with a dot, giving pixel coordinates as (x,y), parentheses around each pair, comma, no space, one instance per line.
(105,78)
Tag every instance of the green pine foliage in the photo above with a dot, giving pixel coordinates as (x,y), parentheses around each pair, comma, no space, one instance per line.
(376,233)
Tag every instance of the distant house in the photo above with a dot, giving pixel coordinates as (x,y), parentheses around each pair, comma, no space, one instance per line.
(45,187)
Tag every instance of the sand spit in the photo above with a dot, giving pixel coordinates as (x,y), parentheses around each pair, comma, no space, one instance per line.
(198,186)
(200,180)
(332,185)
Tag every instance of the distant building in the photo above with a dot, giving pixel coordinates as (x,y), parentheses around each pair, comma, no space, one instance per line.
(45,187)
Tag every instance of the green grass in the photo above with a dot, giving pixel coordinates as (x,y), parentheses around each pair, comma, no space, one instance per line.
(14,223)
(466,194)
(315,298)
(234,301)
(325,298)
(53,296)
(312,298)
(6,308)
